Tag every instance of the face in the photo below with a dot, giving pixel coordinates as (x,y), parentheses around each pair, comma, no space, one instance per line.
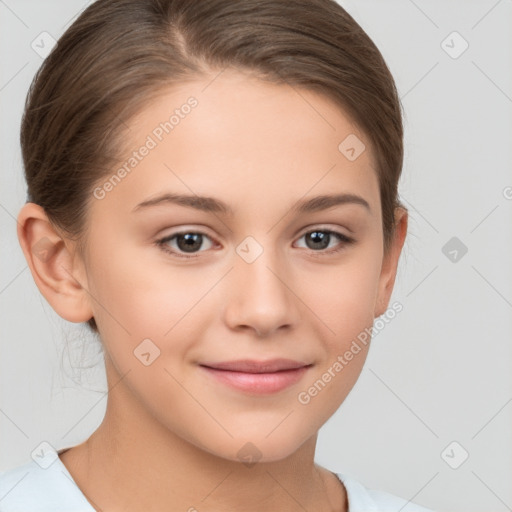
(183,290)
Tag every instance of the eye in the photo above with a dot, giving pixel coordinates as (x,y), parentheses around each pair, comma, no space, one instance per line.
(187,243)
(319,239)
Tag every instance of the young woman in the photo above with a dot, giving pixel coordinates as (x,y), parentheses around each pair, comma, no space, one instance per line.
(212,187)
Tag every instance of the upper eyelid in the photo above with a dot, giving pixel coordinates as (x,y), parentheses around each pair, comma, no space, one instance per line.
(317,227)
(322,227)
(186,231)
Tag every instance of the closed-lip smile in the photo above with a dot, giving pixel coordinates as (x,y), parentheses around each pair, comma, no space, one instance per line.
(257,377)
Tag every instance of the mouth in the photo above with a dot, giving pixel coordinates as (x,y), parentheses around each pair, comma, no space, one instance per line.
(257,377)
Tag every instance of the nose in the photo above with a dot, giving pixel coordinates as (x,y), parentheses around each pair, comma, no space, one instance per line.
(261,296)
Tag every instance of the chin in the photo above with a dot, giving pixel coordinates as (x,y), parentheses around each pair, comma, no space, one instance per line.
(252,449)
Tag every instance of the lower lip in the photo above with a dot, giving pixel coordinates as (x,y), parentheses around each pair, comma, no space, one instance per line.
(259,383)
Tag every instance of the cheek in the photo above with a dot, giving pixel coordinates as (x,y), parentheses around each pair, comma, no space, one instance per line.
(342,297)
(342,300)
(130,291)
(136,300)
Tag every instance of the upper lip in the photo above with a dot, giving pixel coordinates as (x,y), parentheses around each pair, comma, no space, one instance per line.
(253,366)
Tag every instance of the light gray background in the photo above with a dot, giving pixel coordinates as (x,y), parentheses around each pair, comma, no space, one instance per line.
(439,372)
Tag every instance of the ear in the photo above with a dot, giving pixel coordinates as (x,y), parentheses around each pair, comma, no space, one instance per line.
(390,263)
(57,269)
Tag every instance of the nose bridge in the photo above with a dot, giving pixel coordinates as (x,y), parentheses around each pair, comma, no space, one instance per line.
(261,298)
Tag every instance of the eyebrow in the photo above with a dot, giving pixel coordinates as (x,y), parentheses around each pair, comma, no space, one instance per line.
(212,205)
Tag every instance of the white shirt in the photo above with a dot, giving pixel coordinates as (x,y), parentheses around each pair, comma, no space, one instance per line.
(47,486)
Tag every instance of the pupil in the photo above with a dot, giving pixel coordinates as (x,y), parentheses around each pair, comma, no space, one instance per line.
(191,240)
(319,237)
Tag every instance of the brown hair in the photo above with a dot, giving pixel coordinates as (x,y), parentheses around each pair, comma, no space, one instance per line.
(119,54)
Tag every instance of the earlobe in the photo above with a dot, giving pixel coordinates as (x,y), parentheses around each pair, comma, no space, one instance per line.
(390,263)
(57,271)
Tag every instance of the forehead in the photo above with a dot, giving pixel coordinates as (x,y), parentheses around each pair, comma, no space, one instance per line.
(246,141)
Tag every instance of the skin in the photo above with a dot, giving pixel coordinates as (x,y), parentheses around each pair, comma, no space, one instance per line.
(171,434)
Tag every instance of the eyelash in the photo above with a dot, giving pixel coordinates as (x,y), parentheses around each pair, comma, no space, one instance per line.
(345,240)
